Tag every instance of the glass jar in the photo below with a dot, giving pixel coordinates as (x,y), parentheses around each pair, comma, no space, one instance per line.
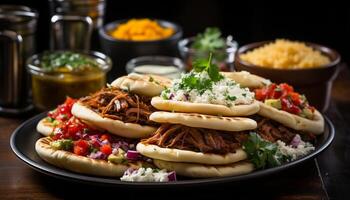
(50,88)
(223,58)
(166,66)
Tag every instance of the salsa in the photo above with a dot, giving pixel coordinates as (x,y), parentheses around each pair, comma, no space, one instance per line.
(283,97)
(78,138)
(63,112)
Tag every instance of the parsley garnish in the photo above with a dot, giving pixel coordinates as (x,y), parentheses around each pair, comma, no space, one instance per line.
(262,153)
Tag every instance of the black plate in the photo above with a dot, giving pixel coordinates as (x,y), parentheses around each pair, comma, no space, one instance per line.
(25,136)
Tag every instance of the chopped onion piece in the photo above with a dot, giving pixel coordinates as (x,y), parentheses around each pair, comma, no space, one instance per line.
(132,155)
(172,176)
(295,141)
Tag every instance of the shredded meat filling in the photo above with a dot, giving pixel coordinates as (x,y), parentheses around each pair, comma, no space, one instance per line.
(117,104)
(196,139)
(273,131)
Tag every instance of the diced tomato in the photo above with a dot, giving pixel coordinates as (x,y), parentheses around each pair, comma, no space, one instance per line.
(294,109)
(286,87)
(105,137)
(57,136)
(63,111)
(95,143)
(271,90)
(81,147)
(289,107)
(79,151)
(260,94)
(295,98)
(106,149)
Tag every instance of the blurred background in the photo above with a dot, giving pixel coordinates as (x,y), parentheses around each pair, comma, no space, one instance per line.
(327,23)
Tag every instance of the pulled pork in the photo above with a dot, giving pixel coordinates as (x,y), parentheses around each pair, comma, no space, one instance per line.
(117,104)
(273,131)
(196,139)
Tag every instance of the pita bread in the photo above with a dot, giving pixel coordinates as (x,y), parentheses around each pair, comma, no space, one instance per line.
(246,79)
(315,126)
(73,162)
(206,171)
(205,108)
(117,127)
(44,127)
(205,121)
(177,155)
(147,85)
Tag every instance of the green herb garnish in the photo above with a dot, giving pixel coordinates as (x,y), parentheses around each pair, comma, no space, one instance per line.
(210,40)
(231,98)
(194,82)
(262,153)
(67,61)
(201,65)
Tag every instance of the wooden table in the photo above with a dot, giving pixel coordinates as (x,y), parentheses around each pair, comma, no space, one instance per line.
(328,176)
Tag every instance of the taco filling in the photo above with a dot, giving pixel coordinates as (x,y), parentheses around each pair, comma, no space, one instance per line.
(204,84)
(76,137)
(120,105)
(271,144)
(283,97)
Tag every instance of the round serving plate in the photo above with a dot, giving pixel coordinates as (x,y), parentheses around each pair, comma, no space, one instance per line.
(23,145)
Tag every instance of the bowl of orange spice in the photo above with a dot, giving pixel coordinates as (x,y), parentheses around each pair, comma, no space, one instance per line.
(126,39)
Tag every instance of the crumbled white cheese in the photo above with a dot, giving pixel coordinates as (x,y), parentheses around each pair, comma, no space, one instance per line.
(145,175)
(224,92)
(294,153)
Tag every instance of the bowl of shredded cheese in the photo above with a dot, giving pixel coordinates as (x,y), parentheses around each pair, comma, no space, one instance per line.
(123,40)
(309,67)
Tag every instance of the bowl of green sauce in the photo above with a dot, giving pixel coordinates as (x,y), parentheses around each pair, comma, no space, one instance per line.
(58,74)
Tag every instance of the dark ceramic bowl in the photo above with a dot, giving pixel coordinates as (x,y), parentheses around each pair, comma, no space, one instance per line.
(121,51)
(315,83)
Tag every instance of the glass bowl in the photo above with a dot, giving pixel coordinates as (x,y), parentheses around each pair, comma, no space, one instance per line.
(166,66)
(50,88)
(224,58)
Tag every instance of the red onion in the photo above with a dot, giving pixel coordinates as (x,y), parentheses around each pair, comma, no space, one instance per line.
(295,141)
(104,142)
(98,155)
(132,155)
(171,96)
(85,136)
(93,136)
(172,176)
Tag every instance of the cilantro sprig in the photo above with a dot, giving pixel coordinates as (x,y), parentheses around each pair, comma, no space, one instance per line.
(201,65)
(194,82)
(262,153)
(209,41)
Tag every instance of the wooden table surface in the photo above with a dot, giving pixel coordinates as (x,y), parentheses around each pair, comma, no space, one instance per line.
(328,176)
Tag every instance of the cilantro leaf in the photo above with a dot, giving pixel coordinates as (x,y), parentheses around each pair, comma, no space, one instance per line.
(200,65)
(193,82)
(210,40)
(262,153)
(231,98)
